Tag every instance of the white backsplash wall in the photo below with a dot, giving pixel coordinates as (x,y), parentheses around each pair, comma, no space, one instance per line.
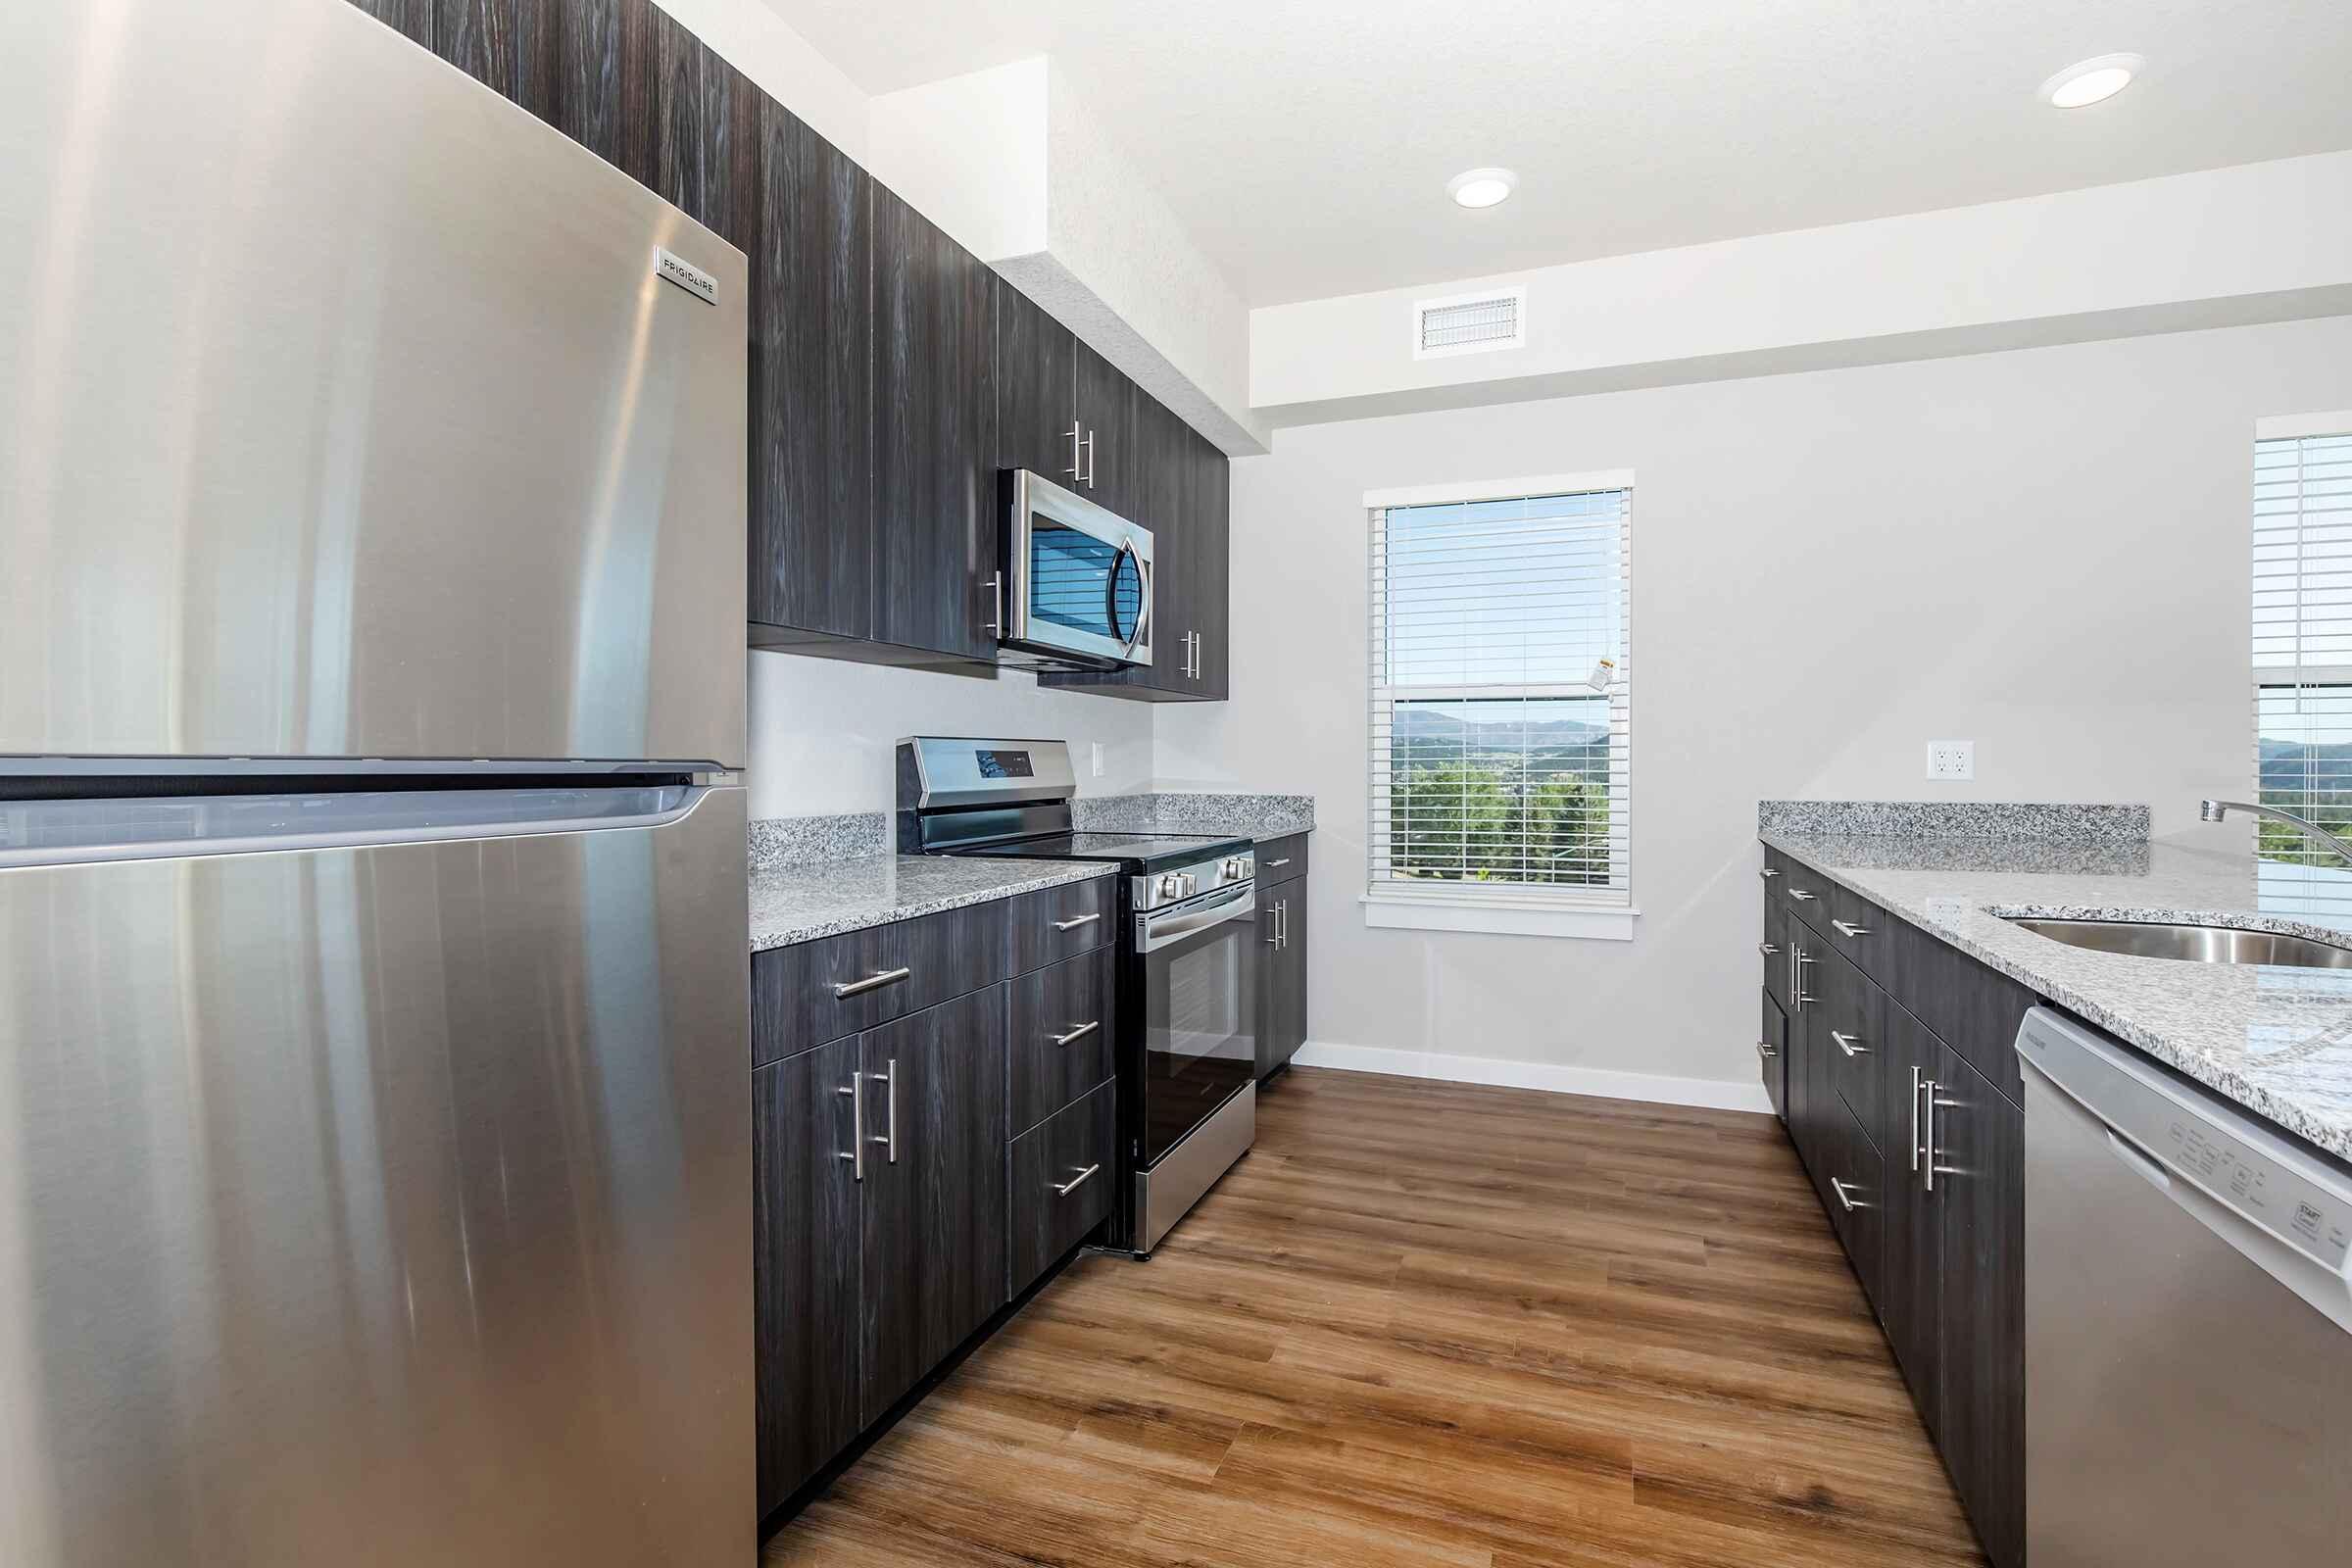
(823,731)
(2044,552)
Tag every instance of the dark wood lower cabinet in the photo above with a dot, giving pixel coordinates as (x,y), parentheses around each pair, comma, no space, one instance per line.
(1978,1146)
(1772,1053)
(805,1239)
(1281,974)
(1911,1300)
(1062,1173)
(932,1212)
(1931,1151)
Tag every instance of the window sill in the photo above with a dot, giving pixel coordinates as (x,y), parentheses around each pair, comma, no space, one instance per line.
(1498,917)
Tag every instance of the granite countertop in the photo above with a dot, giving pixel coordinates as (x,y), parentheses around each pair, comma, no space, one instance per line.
(2274,1040)
(822,899)
(1255,816)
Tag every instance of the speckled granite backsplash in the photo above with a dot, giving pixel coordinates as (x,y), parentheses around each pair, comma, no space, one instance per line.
(1959,819)
(1194,812)
(780,841)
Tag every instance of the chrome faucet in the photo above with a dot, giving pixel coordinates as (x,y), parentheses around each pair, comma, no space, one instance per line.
(2216,811)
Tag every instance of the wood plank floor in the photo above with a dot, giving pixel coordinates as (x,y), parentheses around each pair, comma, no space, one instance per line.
(1433,1324)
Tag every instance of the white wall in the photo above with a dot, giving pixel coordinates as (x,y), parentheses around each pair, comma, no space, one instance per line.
(969,154)
(823,733)
(2261,242)
(2044,550)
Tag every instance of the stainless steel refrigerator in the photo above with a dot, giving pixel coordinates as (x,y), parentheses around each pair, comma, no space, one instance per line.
(374,1147)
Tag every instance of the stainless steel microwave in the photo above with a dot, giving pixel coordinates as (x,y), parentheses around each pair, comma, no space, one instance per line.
(1076,579)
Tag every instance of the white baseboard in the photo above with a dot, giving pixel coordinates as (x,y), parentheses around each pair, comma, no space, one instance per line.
(1656,1088)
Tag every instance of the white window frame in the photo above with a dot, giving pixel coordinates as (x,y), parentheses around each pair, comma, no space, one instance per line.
(1470,906)
(2318,867)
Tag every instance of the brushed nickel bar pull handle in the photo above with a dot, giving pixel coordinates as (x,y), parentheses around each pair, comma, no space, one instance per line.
(1066,1189)
(1768,872)
(1851,1045)
(1767,949)
(1764,1050)
(1915,1083)
(1838,1187)
(1074,924)
(1801,896)
(1845,930)
(856,1154)
(889,1136)
(1075,429)
(873,982)
(1928,1152)
(1276,866)
(995,589)
(1090,459)
(1079,1033)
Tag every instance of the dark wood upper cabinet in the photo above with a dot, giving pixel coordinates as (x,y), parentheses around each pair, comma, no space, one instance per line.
(812,480)
(413,17)
(1037,394)
(892,373)
(1211,518)
(479,37)
(805,1279)
(1113,473)
(935,405)
(705,151)
(933,1217)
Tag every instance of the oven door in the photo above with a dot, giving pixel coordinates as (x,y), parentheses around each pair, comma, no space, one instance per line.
(1080,577)
(1200,964)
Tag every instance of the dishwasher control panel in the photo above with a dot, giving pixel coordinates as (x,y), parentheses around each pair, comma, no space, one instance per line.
(2288,1192)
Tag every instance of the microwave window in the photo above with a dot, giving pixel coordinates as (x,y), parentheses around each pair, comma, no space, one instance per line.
(1079,581)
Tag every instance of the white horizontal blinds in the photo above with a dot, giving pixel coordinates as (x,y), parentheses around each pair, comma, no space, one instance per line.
(2303,665)
(1494,759)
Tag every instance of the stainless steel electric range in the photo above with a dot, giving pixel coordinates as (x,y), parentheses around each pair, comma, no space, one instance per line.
(1187,1018)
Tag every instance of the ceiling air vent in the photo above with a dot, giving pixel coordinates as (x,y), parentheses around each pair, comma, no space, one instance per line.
(1470,323)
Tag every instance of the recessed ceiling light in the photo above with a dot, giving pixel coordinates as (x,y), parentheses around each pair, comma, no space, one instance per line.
(1481,187)
(2090,82)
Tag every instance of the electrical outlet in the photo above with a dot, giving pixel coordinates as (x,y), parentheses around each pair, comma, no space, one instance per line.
(1097,758)
(1949,761)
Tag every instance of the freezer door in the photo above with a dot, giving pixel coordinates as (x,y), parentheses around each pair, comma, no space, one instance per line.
(384,1205)
(345,410)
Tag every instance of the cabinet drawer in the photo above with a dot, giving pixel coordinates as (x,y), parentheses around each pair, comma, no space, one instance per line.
(1053,925)
(1062,1026)
(1857,928)
(1802,892)
(1062,1176)
(812,992)
(1775,951)
(1850,1022)
(1282,859)
(1856,1177)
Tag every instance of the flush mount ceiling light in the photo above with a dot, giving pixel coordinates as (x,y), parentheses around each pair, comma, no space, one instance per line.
(2090,82)
(1481,187)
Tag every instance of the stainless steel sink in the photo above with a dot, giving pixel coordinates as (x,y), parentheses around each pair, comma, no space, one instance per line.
(2197,944)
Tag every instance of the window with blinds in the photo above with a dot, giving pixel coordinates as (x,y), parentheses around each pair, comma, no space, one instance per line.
(2303,663)
(1500,699)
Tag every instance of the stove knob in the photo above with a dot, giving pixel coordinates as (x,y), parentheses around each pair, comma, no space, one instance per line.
(1191,884)
(1231,868)
(1171,886)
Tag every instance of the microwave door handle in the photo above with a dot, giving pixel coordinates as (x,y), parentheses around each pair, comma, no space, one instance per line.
(1158,931)
(1143,576)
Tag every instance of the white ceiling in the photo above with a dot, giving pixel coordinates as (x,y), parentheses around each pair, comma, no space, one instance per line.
(1306,143)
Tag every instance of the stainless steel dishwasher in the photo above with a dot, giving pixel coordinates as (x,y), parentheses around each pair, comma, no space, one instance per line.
(2188,1321)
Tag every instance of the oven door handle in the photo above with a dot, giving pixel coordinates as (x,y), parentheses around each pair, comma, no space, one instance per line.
(1155,931)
